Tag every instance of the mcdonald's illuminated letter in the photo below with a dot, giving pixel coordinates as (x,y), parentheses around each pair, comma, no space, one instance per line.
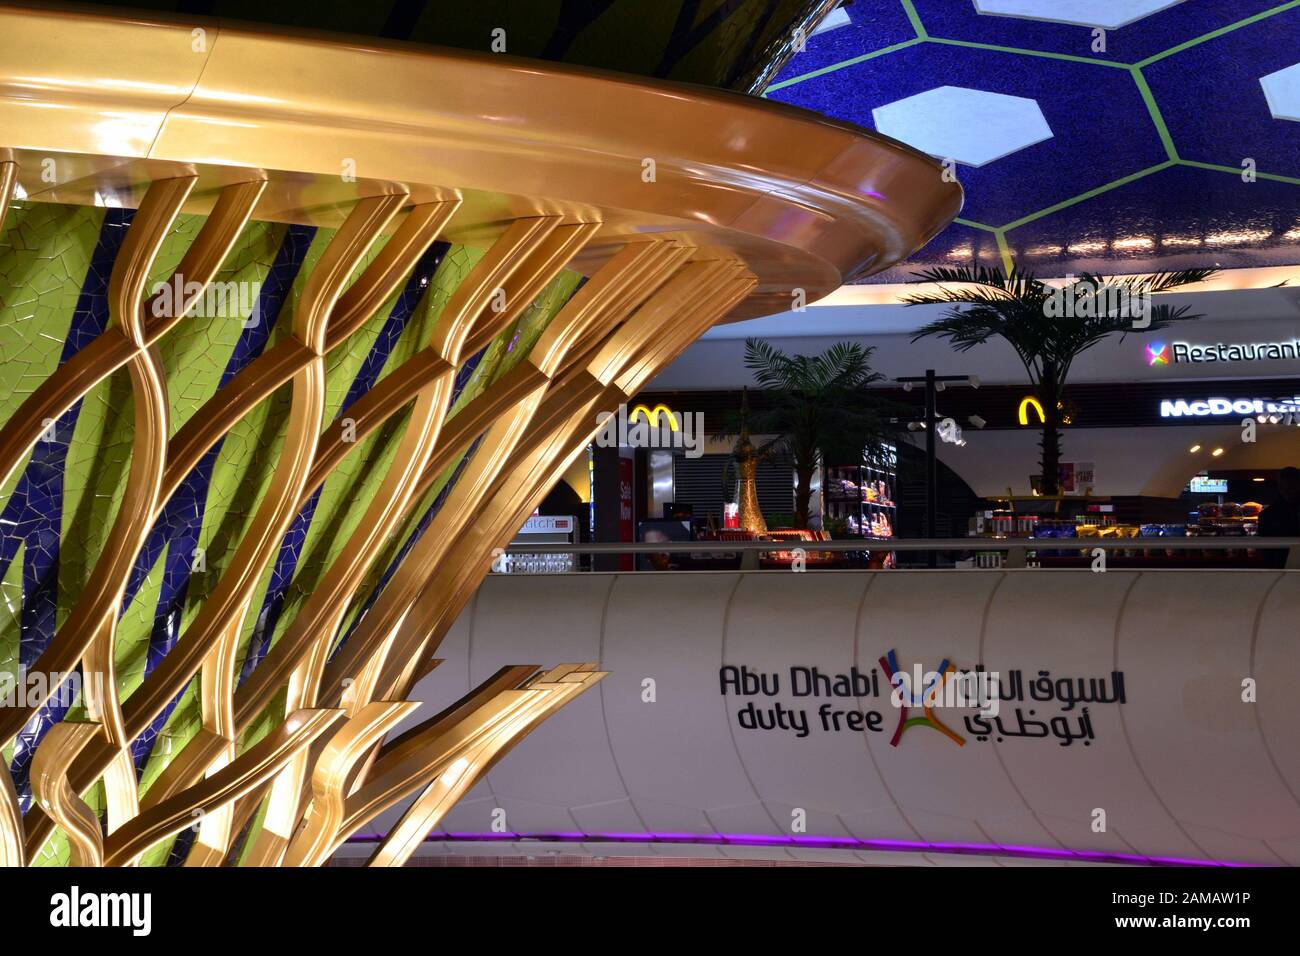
(652,415)
(642,429)
(1027,403)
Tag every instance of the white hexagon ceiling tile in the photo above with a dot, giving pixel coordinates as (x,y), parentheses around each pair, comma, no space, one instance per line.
(1108,14)
(1282,90)
(973,127)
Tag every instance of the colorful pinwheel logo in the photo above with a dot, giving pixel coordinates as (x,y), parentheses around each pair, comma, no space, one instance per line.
(1157,354)
(889,664)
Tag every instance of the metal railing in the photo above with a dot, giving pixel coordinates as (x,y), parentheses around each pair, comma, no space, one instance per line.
(1017,548)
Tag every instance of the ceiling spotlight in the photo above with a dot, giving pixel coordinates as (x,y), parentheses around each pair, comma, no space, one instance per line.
(1194,449)
(973,380)
(976,421)
(1217,452)
(939,386)
(907,386)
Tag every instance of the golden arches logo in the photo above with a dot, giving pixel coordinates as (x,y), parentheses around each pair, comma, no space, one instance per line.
(652,415)
(1027,403)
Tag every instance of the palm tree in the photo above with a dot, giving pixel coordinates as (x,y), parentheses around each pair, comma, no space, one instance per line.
(1047,327)
(817,403)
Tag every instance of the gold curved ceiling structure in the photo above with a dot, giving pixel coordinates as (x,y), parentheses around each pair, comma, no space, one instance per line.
(671,208)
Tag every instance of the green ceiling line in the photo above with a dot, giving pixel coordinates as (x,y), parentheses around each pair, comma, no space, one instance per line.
(841,65)
(1236,171)
(1044,54)
(1073,200)
(1262,15)
(1004,248)
(975,225)
(915,17)
(1154,109)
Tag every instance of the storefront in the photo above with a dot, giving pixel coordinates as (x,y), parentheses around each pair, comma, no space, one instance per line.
(1155,458)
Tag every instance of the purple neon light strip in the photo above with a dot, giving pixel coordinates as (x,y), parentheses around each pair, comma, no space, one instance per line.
(819,842)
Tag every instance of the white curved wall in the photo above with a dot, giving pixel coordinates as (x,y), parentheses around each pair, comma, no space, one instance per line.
(1184,769)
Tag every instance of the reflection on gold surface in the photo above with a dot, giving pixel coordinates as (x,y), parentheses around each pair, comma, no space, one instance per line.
(733,221)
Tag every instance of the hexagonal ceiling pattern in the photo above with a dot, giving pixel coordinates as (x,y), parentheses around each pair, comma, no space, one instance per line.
(1282,90)
(1167,142)
(973,127)
(1107,14)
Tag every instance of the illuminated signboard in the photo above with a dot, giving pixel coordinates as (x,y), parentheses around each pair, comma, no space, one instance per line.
(1026,404)
(643,428)
(1203,485)
(1064,417)
(651,415)
(1187,353)
(1218,407)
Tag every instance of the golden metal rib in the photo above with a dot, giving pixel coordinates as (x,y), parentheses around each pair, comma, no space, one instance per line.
(466,766)
(624,307)
(249,387)
(90,629)
(389,269)
(397,758)
(511,390)
(558,436)
(233,591)
(52,791)
(544,262)
(528,255)
(58,393)
(8,177)
(650,268)
(219,623)
(464,560)
(12,851)
(96,609)
(110,351)
(523,261)
(261,377)
(257,691)
(199,266)
(396,391)
(456,752)
(215,793)
(210,640)
(626,280)
(285,362)
(315,840)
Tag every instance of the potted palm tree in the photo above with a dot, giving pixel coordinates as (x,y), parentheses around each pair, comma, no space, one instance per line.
(1048,327)
(815,407)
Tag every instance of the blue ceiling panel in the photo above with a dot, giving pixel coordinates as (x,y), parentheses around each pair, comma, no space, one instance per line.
(1148,36)
(1214,106)
(1125,160)
(1090,146)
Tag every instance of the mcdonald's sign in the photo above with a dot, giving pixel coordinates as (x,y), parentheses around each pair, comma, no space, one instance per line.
(642,428)
(651,415)
(1065,415)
